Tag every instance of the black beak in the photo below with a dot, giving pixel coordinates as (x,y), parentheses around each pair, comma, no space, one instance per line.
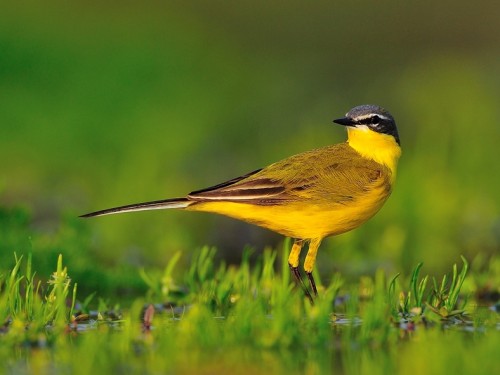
(346,121)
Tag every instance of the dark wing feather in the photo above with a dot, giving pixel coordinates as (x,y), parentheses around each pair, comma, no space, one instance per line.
(222,185)
(247,187)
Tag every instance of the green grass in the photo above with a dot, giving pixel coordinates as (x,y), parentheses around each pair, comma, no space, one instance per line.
(249,318)
(442,299)
(146,103)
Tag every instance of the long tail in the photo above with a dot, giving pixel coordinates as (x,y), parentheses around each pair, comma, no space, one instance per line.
(155,205)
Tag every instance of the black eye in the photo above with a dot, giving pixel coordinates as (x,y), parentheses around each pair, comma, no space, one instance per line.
(374,120)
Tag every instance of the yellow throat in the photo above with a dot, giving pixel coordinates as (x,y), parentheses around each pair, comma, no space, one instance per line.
(379,147)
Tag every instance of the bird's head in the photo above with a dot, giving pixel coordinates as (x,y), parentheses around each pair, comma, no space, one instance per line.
(370,117)
(372,131)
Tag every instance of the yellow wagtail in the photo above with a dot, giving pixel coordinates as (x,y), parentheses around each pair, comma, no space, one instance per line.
(311,195)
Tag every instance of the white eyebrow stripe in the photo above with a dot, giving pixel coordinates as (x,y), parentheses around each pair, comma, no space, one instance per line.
(360,118)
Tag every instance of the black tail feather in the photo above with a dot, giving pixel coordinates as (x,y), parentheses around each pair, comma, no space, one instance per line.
(154,205)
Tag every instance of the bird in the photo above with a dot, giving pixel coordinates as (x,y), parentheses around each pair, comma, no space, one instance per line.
(309,196)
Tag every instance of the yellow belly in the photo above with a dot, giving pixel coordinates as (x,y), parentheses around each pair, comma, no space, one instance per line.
(304,219)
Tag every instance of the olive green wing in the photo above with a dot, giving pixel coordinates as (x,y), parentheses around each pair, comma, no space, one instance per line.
(336,173)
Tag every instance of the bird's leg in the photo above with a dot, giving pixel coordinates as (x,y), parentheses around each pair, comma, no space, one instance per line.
(293,262)
(309,262)
(312,283)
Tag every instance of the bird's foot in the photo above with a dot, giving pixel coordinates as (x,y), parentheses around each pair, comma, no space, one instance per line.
(312,283)
(298,279)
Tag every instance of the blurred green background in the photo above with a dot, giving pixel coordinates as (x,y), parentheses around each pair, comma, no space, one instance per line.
(110,104)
